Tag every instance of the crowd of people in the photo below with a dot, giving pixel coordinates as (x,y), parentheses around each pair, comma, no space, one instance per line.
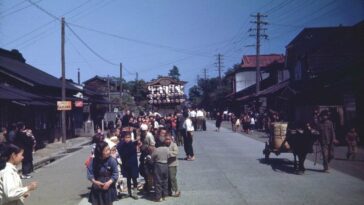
(146,145)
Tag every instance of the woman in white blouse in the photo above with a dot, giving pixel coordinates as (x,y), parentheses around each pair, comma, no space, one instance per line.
(12,192)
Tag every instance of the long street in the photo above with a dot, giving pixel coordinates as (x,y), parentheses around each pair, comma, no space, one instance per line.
(229,169)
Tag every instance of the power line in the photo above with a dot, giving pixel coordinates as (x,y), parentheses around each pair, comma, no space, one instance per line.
(98,6)
(278,7)
(17,10)
(184,51)
(89,48)
(43,25)
(45,11)
(303,25)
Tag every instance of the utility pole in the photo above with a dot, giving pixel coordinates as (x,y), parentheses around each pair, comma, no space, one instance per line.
(258,35)
(78,76)
(63,115)
(219,65)
(136,76)
(121,80)
(205,73)
(108,91)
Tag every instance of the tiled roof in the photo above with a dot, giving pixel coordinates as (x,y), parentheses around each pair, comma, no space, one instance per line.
(249,61)
(30,74)
(16,95)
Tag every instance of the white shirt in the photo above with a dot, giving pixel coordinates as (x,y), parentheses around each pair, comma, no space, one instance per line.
(252,121)
(11,188)
(193,113)
(199,113)
(149,139)
(156,125)
(188,125)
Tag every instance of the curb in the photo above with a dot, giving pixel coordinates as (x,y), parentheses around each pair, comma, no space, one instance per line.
(62,152)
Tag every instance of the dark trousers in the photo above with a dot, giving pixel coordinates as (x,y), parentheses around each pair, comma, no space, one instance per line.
(27,167)
(172,179)
(188,139)
(180,136)
(161,180)
(135,183)
(146,170)
(327,151)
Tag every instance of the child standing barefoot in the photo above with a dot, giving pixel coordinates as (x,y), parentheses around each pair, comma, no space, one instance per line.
(352,139)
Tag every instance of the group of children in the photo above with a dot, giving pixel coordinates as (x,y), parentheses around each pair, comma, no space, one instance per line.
(114,163)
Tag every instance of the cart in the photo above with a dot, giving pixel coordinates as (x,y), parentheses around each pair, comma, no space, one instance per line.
(276,143)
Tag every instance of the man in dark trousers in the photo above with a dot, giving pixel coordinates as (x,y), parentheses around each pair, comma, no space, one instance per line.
(327,139)
(181,131)
(25,140)
(126,118)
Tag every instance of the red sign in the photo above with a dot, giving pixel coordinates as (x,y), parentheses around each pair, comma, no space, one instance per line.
(78,103)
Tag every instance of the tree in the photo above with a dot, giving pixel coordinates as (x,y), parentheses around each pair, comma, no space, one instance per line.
(209,94)
(174,73)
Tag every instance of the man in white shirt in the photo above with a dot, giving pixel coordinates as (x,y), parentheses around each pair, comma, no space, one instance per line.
(188,139)
(200,118)
(192,115)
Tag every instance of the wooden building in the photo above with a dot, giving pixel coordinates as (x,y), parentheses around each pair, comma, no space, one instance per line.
(28,94)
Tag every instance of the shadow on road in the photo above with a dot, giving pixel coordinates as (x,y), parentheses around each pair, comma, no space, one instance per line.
(283,165)
(279,164)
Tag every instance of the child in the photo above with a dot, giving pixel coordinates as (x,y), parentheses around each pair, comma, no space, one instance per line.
(103,173)
(129,158)
(352,139)
(160,158)
(172,167)
(112,142)
(11,188)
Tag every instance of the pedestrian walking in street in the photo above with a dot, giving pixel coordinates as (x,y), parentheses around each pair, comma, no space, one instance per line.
(252,123)
(192,115)
(327,139)
(103,173)
(352,140)
(237,125)
(172,167)
(160,162)
(218,121)
(188,140)
(199,120)
(25,140)
(180,130)
(129,158)
(246,123)
(12,191)
(233,121)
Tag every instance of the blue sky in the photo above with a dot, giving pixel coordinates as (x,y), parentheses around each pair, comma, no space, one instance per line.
(150,36)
